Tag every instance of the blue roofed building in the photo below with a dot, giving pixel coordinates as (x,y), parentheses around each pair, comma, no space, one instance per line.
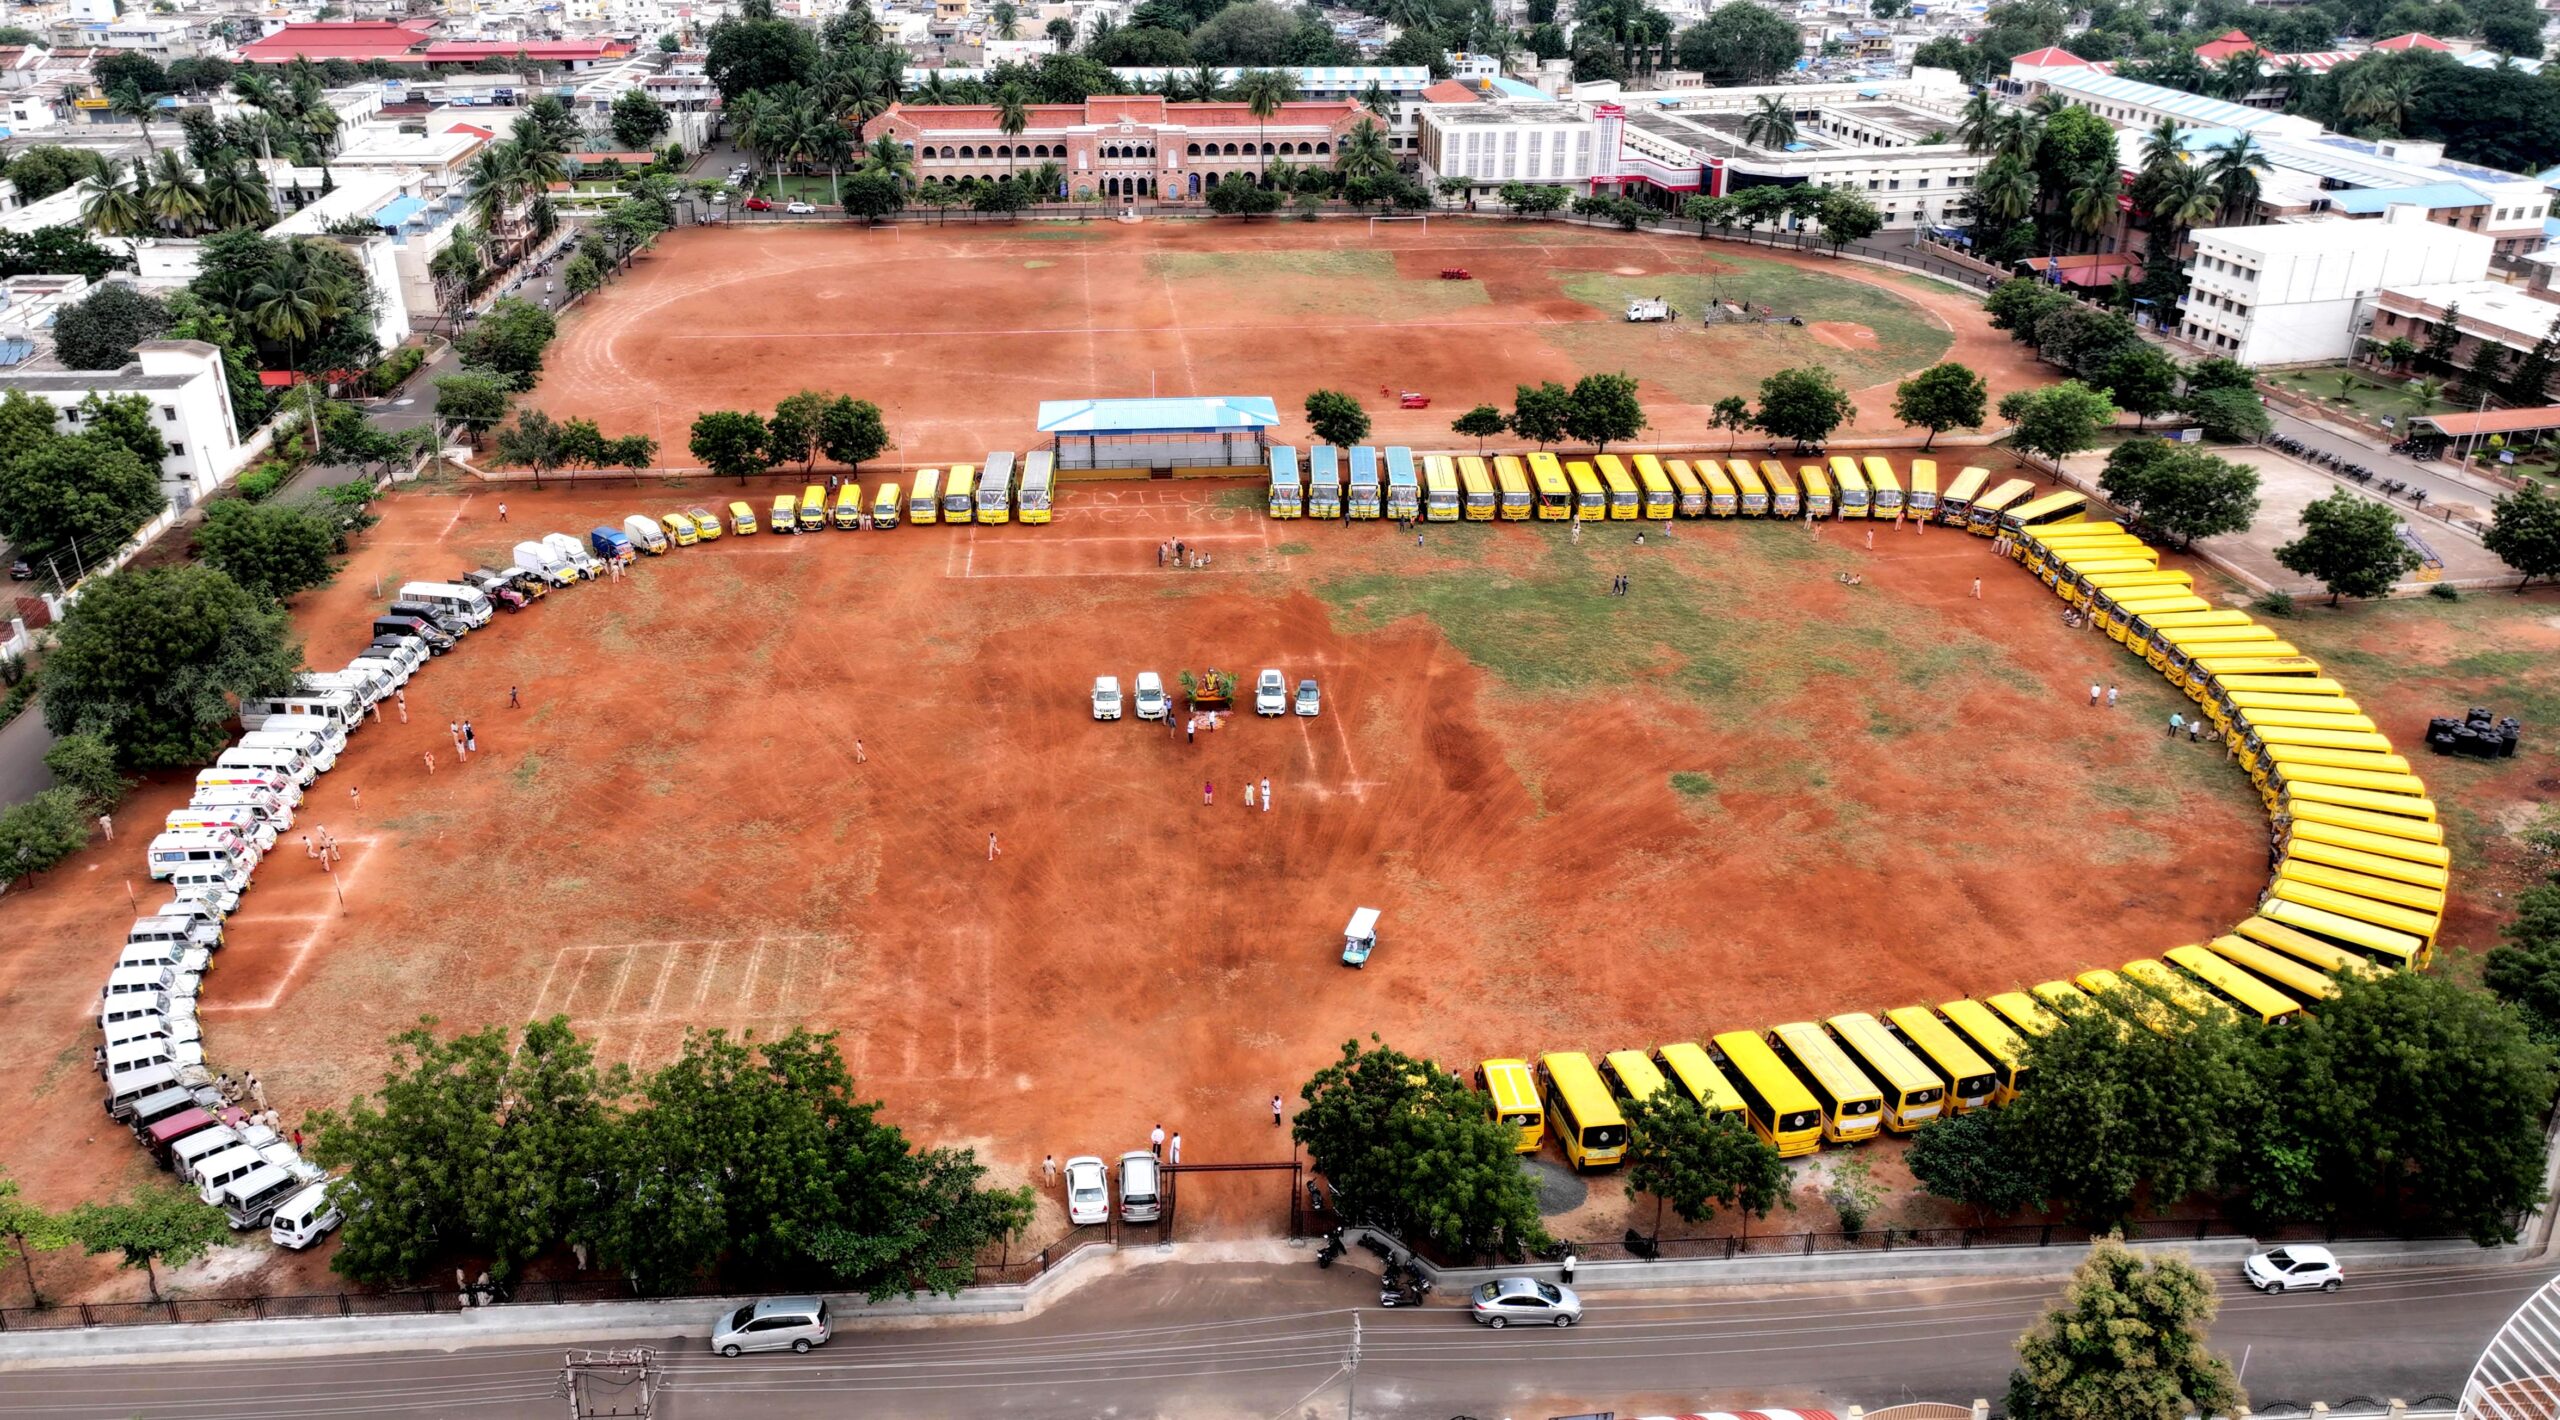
(1162,435)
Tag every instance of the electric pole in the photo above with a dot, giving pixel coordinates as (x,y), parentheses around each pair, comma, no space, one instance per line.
(1351,1369)
(610,1385)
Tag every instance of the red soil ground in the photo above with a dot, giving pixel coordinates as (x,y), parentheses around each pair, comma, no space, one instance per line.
(1910,801)
(958,332)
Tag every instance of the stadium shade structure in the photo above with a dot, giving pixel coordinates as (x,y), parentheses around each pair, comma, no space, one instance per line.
(1161,435)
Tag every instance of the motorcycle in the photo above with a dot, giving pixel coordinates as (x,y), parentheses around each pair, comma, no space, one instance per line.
(1332,1249)
(1392,1294)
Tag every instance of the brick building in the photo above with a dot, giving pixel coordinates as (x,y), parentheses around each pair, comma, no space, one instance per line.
(1127,146)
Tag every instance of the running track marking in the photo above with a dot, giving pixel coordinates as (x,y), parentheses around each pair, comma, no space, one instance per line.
(322,924)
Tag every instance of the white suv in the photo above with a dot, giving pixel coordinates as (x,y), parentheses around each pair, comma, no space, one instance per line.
(1151,702)
(2295,1267)
(1271,693)
(1106,697)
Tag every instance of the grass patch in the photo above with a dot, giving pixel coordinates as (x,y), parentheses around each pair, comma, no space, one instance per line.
(1329,284)
(1245,498)
(1689,783)
(527,770)
(1294,549)
(1702,366)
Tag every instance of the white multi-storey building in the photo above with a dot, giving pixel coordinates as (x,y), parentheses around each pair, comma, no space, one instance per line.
(2299,292)
(190,406)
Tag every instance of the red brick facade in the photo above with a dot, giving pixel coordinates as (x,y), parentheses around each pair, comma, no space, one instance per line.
(1121,147)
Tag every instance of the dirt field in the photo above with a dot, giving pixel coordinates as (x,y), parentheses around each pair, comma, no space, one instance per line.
(959,332)
(1743,794)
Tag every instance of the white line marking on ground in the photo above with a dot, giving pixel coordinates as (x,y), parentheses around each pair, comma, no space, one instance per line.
(322,924)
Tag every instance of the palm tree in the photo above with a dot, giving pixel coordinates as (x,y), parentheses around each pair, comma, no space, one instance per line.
(1263,91)
(2020,135)
(1772,125)
(2182,199)
(235,195)
(1206,84)
(109,206)
(128,101)
(1374,99)
(2241,75)
(1983,118)
(1365,153)
(2092,200)
(887,155)
(2007,191)
(2234,171)
(1005,18)
(172,198)
(2164,145)
(2376,91)
(1012,116)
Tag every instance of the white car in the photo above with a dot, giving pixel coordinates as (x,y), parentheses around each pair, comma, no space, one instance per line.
(1271,693)
(1088,1191)
(1523,1301)
(800,209)
(1106,697)
(1151,702)
(2295,1267)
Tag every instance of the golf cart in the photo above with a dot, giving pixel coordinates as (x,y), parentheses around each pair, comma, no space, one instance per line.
(1360,938)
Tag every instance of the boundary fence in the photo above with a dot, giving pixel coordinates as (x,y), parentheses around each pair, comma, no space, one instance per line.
(1634,1246)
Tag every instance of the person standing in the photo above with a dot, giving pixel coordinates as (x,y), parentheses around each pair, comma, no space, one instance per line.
(470,738)
(1048,1168)
(993,852)
(1208,793)
(1155,1141)
(2111,697)
(514,702)
(107,827)
(1977,589)
(858,756)
(355,799)
(1275,1099)
(401,698)
(1266,793)
(1177,1148)
(502,510)
(2177,722)
(1248,793)
(1191,730)
(431,763)
(2095,690)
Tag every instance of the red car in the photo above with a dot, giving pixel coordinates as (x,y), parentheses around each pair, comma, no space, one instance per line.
(758,204)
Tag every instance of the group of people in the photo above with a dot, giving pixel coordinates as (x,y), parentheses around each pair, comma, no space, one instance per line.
(1209,793)
(1175,553)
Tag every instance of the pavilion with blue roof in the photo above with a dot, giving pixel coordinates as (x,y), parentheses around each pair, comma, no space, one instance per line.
(1160,435)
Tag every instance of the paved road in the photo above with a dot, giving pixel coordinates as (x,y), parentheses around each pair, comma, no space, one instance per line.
(1182,1340)
(23,742)
(2447,484)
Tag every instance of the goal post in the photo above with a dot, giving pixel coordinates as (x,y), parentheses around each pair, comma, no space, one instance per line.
(1420,219)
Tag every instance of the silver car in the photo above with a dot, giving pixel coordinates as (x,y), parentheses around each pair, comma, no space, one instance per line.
(772,1324)
(1525,1300)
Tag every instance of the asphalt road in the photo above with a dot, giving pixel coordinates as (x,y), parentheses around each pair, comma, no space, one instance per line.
(1182,1340)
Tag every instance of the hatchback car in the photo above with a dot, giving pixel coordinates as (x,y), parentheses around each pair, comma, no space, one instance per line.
(1088,1191)
(758,204)
(1525,1300)
(1271,693)
(772,1324)
(2294,1268)
(801,209)
(1309,699)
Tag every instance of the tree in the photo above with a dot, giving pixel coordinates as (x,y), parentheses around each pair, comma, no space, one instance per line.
(2127,1343)
(1964,1159)
(1732,414)
(45,169)
(1847,217)
(75,498)
(2529,383)
(1740,44)
(1410,1148)
(152,661)
(1771,123)
(2487,372)
(2141,379)
(851,431)
(30,1230)
(1940,398)
(1337,418)
(747,53)
(2084,341)
(124,420)
(872,194)
(2020,304)
(1261,91)
(1256,34)
(2443,338)
(791,435)
(730,444)
(41,832)
(1238,195)
(1604,410)
(2185,493)
(1694,1162)
(508,342)
(86,765)
(99,333)
(1480,423)
(271,549)
(639,121)
(1803,404)
(2525,973)
(2056,420)
(2524,531)
(1540,412)
(1532,199)
(2350,545)
(57,250)
(2229,416)
(477,402)
(155,1225)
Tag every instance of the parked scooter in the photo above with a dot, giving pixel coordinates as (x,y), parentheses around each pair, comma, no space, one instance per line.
(1331,1250)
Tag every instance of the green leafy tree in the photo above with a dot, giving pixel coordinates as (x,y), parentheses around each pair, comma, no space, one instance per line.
(271,549)
(2525,973)
(2020,304)
(2142,379)
(2127,1342)
(1696,1162)
(477,402)
(100,331)
(1605,410)
(2351,546)
(2057,420)
(1732,414)
(1481,423)
(45,169)
(1846,217)
(1966,1159)
(639,121)
(2185,493)
(86,765)
(791,435)
(851,431)
(153,659)
(730,444)
(1804,404)
(2229,416)
(1740,44)
(1529,199)
(125,419)
(1238,195)
(1410,1148)
(76,499)
(41,832)
(30,1230)
(1940,398)
(2117,1110)
(872,194)
(160,1223)
(2487,373)
(532,442)
(1541,412)
(508,342)
(1337,418)
(2524,531)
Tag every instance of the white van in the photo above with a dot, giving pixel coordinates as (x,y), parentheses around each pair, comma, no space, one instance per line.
(1106,697)
(292,764)
(336,705)
(575,553)
(174,930)
(186,958)
(645,534)
(246,806)
(126,1056)
(194,847)
(117,1007)
(470,604)
(127,1090)
(304,1219)
(545,562)
(313,744)
(197,1147)
(369,684)
(1151,702)
(406,652)
(260,834)
(217,1173)
(216,885)
(223,776)
(201,918)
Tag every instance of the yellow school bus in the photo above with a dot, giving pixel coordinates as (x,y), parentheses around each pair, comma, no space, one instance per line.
(2122,614)
(1624,503)
(1852,1106)
(2296,979)
(1590,495)
(2236,989)
(1994,1039)
(885,503)
(1032,498)
(2379,854)
(1631,1074)
(1697,1076)
(1884,488)
(1475,487)
(1956,504)
(742,520)
(1784,501)
(786,513)
(2304,795)
(1693,493)
(2178,991)
(2023,1013)
(1754,494)
(1439,489)
(1913,1093)
(2060,507)
(848,510)
(2415,898)
(2303,947)
(2140,1007)
(1722,498)
(924,503)
(995,487)
(2412,832)
(1984,520)
(813,509)
(1587,1121)
(960,493)
(1922,499)
(2354,930)
(1856,500)
(1511,1093)
(1782,1111)
(1655,485)
(1818,502)
(1555,491)
(2061,997)
(1514,478)
(1970,1080)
